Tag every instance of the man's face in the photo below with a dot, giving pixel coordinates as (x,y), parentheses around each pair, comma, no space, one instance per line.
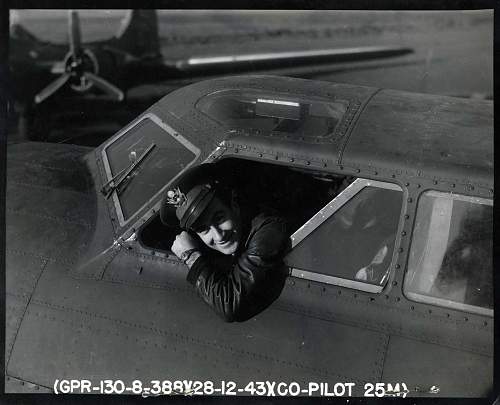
(219,227)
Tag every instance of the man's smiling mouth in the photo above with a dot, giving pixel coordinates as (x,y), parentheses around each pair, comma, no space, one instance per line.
(225,242)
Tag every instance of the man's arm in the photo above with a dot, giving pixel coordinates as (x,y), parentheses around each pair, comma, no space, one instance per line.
(228,292)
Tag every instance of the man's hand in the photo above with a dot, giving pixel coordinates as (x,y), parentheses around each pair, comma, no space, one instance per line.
(184,241)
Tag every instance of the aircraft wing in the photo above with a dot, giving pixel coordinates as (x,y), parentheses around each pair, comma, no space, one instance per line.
(289,58)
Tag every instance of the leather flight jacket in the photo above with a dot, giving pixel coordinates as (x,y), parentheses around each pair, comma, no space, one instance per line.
(241,285)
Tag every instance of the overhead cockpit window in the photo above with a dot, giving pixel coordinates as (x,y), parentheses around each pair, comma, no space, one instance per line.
(159,154)
(264,114)
(450,261)
(350,242)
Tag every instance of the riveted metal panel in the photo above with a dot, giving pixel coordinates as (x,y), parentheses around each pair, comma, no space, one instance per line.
(391,313)
(15,385)
(276,346)
(455,373)
(98,328)
(437,135)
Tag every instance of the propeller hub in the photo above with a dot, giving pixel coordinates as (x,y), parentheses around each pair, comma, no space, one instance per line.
(81,68)
(77,65)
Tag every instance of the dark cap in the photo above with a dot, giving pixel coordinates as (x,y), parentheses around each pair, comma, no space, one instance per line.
(185,201)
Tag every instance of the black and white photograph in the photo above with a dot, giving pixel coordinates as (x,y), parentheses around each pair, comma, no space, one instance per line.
(250,203)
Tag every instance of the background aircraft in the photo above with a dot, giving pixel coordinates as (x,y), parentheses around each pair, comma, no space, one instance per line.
(42,69)
(452,55)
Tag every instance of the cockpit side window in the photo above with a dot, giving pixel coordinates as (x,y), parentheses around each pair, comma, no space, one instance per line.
(450,261)
(293,194)
(350,242)
(342,229)
(165,154)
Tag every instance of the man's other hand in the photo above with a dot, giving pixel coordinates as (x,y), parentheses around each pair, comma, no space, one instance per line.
(184,241)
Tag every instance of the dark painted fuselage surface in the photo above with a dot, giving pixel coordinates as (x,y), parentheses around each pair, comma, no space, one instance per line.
(87,301)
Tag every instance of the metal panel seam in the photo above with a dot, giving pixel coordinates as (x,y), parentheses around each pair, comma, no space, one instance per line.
(353,125)
(100,274)
(145,284)
(39,256)
(49,217)
(18,325)
(386,307)
(386,350)
(80,194)
(380,328)
(21,381)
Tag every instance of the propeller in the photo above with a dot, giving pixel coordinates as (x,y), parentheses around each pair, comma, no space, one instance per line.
(52,88)
(74,33)
(81,67)
(105,86)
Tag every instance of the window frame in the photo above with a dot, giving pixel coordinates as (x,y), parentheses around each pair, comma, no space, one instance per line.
(293,97)
(326,212)
(442,302)
(107,168)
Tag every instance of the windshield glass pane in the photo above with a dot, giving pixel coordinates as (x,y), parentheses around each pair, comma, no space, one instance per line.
(356,242)
(256,112)
(450,260)
(163,163)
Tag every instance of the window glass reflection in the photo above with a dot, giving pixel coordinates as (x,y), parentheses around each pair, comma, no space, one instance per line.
(356,242)
(165,161)
(450,261)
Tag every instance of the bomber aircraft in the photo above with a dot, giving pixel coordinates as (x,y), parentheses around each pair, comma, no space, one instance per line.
(390,199)
(105,70)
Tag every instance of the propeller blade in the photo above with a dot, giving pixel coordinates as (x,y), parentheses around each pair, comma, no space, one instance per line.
(74,32)
(52,88)
(105,86)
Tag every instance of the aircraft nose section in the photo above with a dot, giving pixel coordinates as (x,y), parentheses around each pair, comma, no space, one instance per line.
(50,210)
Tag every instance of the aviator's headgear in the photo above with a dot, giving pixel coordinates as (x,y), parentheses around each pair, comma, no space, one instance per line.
(185,201)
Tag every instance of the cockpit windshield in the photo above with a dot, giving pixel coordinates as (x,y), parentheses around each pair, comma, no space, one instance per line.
(170,155)
(255,112)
